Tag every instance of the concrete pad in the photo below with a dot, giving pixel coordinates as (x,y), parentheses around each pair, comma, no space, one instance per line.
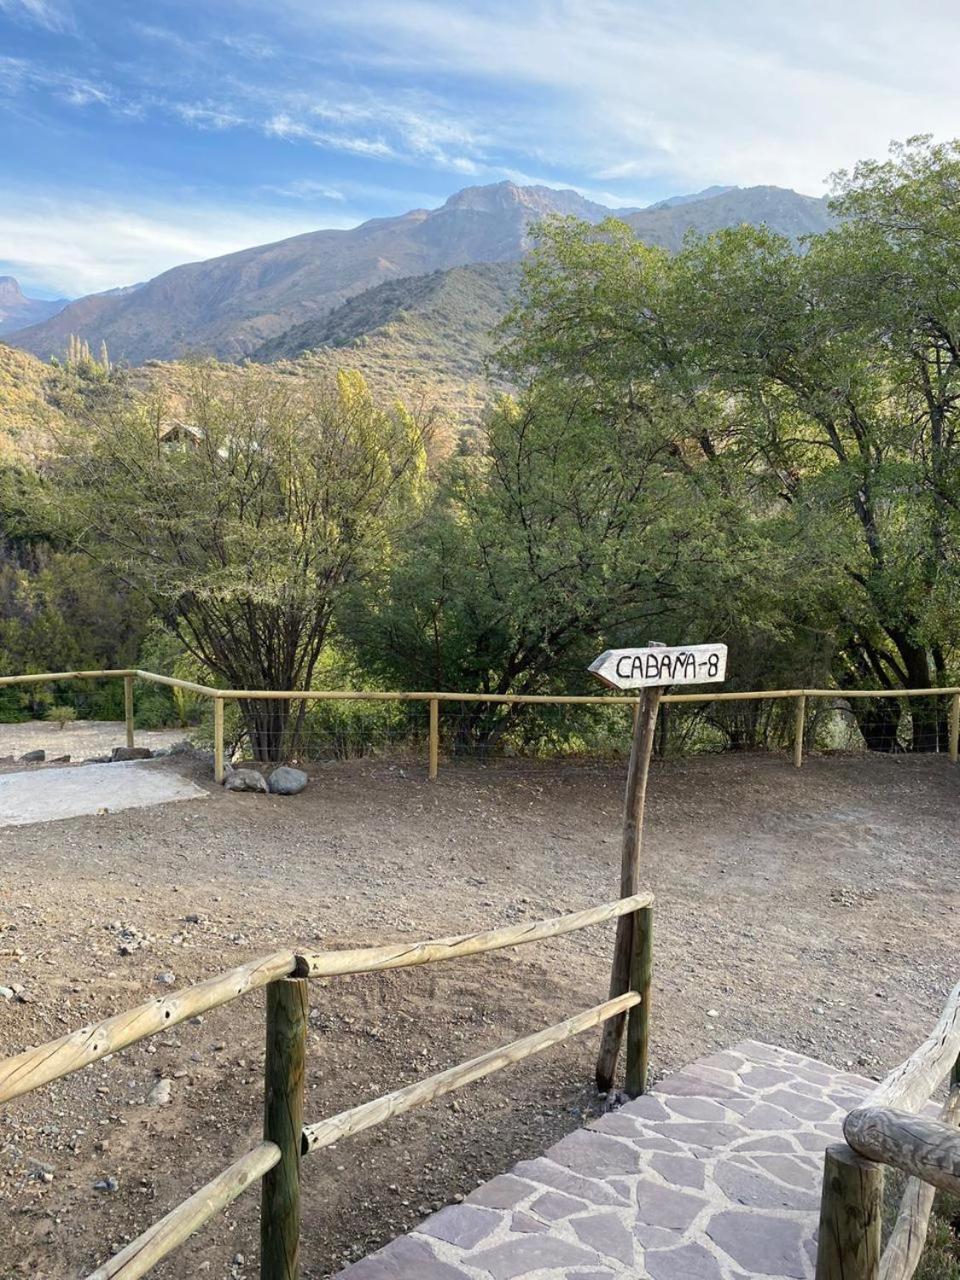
(44,795)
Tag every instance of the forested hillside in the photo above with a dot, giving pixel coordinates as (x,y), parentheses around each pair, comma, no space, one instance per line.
(734,441)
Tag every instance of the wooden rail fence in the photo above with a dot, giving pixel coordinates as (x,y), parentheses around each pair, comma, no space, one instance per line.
(886,1130)
(275,1162)
(220,697)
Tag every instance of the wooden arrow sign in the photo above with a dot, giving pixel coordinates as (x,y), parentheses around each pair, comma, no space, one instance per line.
(642,668)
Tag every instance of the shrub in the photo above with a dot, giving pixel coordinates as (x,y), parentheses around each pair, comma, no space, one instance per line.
(61,714)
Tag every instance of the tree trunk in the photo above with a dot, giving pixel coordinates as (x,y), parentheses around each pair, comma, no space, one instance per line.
(878,722)
(265,720)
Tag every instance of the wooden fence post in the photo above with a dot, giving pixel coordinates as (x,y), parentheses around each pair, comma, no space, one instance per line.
(283,1124)
(128,707)
(638,1021)
(800,713)
(955,727)
(848,1246)
(434,737)
(645,725)
(218,739)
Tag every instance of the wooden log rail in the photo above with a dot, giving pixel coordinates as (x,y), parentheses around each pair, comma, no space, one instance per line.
(433,698)
(138,1257)
(923,1148)
(369,1114)
(276,1160)
(886,1130)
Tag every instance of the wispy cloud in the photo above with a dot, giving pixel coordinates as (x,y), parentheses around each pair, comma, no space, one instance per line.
(305,189)
(699,91)
(84,245)
(53,15)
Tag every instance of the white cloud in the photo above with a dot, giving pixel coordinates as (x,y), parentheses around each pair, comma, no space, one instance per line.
(87,245)
(42,13)
(305,189)
(707,90)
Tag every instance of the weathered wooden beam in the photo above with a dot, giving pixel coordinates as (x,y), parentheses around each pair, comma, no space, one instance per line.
(218,768)
(799,716)
(645,728)
(909,1086)
(955,728)
(286,1053)
(908,1237)
(434,739)
(924,1148)
(128,707)
(848,1243)
(406,954)
(173,682)
(357,1119)
(137,1258)
(47,677)
(638,1020)
(34,1067)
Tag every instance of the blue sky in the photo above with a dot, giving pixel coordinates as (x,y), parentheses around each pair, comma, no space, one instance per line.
(134,137)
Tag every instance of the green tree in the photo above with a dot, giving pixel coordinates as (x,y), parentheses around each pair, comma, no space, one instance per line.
(244,540)
(574,528)
(818,390)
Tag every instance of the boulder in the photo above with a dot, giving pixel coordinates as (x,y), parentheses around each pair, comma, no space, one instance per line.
(245,780)
(33,757)
(60,760)
(182,748)
(286,781)
(130,753)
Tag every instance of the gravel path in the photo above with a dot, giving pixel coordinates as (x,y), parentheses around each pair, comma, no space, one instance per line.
(815,909)
(79,740)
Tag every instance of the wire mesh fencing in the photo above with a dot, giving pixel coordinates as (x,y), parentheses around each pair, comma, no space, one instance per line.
(422,729)
(339,723)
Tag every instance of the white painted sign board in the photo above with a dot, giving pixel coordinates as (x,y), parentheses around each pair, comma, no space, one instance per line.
(641,668)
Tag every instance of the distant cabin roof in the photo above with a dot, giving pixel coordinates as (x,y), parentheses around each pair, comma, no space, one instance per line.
(174,429)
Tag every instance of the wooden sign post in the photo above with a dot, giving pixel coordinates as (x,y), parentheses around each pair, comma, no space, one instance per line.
(649,669)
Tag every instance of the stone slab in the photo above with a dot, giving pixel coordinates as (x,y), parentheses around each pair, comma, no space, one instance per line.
(712,1183)
(46,795)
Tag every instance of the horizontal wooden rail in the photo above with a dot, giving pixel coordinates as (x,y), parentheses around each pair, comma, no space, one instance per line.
(46,1062)
(369,1114)
(910,1085)
(754,695)
(406,954)
(174,682)
(923,1148)
(137,1258)
(181,1223)
(908,1237)
(386,695)
(49,676)
(565,699)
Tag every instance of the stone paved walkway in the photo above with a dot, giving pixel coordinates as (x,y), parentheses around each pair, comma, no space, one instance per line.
(714,1175)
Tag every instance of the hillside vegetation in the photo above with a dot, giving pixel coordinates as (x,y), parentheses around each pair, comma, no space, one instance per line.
(426,339)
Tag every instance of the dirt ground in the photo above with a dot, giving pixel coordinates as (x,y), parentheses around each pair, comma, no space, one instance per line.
(816,909)
(79,739)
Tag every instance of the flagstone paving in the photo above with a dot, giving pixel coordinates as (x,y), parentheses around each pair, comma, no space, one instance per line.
(713,1175)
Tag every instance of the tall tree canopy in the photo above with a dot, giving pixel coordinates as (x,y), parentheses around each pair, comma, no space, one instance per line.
(244,530)
(819,388)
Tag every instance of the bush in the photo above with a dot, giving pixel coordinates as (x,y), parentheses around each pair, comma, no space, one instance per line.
(61,714)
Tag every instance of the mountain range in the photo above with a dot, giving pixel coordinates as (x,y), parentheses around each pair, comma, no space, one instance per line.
(18,311)
(411,288)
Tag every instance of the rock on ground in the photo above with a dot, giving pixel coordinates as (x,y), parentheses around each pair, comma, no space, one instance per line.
(245,780)
(286,781)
